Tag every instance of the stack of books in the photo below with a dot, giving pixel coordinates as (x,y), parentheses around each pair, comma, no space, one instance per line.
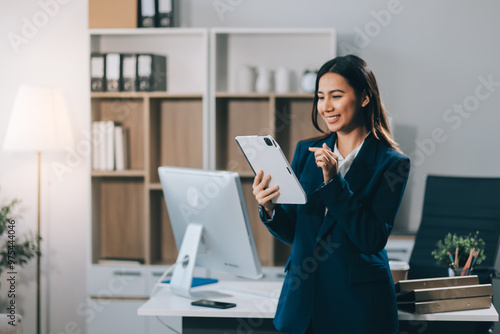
(110,146)
(445,294)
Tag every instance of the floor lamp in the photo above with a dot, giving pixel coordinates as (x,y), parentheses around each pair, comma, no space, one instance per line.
(39,123)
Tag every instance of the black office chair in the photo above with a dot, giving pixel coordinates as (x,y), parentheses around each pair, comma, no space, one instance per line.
(460,205)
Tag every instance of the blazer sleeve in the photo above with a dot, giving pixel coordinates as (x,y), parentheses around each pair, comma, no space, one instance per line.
(282,224)
(368,223)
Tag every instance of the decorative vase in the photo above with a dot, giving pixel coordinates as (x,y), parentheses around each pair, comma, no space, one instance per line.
(308,81)
(263,84)
(246,79)
(282,80)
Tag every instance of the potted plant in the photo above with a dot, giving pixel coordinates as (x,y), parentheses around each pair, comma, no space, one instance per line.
(14,252)
(460,253)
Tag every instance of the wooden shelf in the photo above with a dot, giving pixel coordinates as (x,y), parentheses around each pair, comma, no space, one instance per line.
(193,124)
(242,95)
(264,95)
(155,186)
(147,31)
(125,173)
(168,95)
(142,95)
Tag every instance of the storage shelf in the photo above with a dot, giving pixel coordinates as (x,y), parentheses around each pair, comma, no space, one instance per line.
(200,110)
(147,31)
(155,186)
(125,173)
(264,95)
(142,95)
(271,31)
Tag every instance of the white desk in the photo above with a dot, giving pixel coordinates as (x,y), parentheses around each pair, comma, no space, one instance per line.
(164,303)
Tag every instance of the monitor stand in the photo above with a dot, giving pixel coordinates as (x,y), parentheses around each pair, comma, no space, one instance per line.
(182,277)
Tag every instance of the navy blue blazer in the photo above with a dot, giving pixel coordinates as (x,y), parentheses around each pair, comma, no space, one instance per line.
(338,273)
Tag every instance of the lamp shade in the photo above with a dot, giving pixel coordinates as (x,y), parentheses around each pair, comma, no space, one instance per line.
(39,121)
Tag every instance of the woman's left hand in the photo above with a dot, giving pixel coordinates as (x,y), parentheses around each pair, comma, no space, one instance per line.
(326,160)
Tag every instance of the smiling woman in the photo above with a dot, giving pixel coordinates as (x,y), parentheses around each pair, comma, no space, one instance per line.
(354,176)
(350,83)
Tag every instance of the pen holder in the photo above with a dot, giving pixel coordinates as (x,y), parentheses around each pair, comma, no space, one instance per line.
(459,272)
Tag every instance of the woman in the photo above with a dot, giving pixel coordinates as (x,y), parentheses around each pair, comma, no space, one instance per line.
(338,278)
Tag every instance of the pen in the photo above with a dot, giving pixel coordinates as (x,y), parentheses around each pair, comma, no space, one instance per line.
(476,254)
(467,264)
(451,260)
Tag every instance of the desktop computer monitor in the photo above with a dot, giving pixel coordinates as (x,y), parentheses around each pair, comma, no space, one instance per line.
(210,222)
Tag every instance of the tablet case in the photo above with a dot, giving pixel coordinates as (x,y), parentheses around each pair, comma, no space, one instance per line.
(264,153)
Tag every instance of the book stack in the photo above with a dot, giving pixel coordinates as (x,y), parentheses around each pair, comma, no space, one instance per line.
(433,295)
(110,146)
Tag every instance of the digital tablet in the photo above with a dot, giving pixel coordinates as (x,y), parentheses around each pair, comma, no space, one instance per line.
(264,153)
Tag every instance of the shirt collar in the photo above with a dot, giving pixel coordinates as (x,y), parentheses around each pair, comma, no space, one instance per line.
(345,163)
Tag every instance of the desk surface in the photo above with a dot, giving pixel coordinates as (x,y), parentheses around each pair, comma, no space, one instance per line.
(260,301)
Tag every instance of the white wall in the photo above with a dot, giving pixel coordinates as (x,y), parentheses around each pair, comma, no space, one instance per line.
(427,58)
(56,54)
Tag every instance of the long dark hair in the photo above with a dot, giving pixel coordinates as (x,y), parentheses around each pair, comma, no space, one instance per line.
(361,78)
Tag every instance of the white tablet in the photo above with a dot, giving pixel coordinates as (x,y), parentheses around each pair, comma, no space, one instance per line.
(263,152)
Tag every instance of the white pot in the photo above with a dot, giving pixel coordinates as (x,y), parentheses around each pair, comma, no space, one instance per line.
(246,79)
(263,84)
(282,81)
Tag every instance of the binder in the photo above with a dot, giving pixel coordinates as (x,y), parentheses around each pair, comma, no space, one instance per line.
(446,305)
(128,72)
(151,73)
(97,72)
(409,285)
(164,16)
(465,291)
(113,72)
(147,13)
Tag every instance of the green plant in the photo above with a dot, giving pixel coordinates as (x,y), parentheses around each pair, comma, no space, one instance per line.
(464,244)
(14,252)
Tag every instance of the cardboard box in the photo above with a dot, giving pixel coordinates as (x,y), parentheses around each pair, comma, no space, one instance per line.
(112,14)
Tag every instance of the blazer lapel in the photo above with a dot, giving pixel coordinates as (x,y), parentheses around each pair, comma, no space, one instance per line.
(362,167)
(359,173)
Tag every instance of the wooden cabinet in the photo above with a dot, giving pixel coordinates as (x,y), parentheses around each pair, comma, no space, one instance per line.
(285,116)
(129,218)
(193,124)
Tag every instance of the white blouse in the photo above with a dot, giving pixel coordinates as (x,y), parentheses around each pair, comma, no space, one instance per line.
(345,163)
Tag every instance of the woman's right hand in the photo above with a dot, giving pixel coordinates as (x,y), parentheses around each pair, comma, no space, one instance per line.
(263,194)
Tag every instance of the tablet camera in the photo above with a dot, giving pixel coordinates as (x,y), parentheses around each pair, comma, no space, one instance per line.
(268,141)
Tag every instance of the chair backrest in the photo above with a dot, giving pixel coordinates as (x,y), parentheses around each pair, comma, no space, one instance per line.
(460,205)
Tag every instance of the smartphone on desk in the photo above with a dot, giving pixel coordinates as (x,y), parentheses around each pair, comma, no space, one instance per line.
(212,303)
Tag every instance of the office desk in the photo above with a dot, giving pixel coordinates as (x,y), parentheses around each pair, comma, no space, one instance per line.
(256,305)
